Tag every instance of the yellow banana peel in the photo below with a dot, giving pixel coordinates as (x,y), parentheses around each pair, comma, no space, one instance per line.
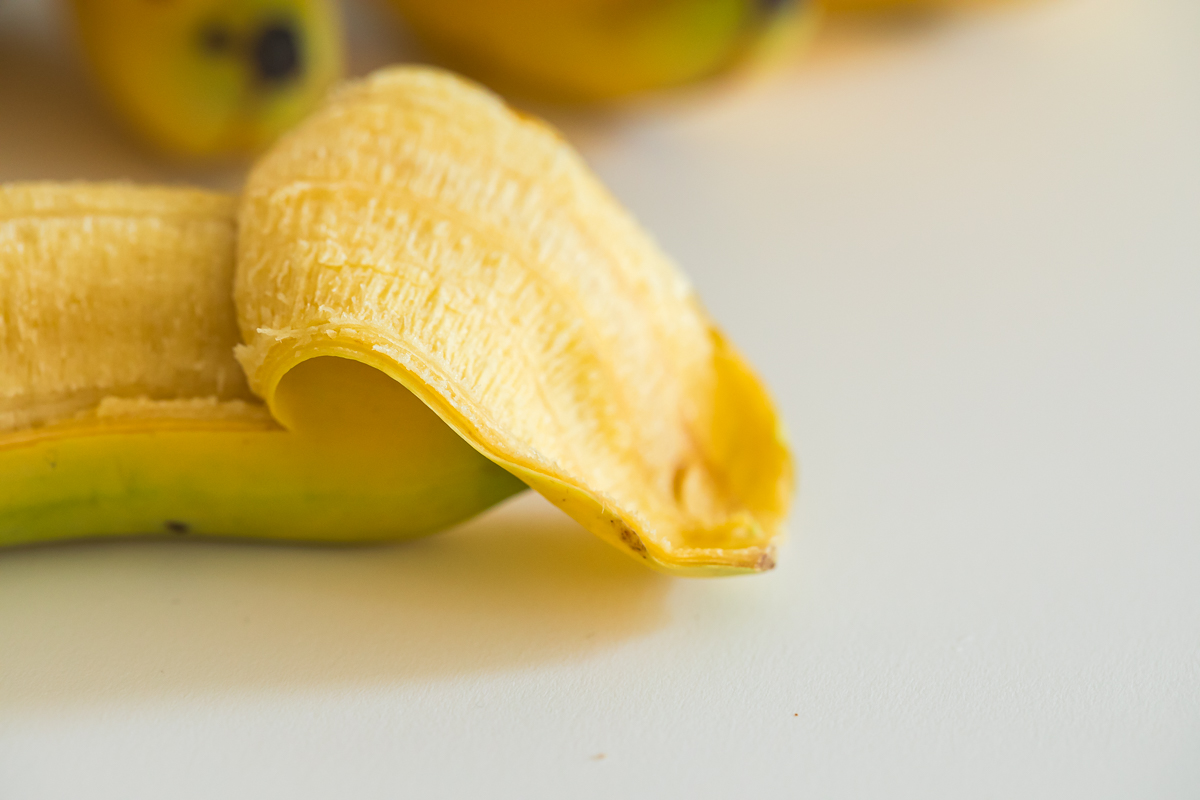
(211,77)
(416,225)
(435,298)
(600,49)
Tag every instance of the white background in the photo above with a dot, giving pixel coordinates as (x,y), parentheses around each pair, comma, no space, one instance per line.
(966,257)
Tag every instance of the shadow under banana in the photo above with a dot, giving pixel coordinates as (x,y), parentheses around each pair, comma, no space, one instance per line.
(114,621)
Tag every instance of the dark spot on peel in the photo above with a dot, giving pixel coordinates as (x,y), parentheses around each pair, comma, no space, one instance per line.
(177,527)
(631,539)
(216,39)
(766,562)
(275,53)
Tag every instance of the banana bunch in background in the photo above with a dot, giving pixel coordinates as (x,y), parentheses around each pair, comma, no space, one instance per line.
(211,77)
(421,303)
(199,78)
(203,78)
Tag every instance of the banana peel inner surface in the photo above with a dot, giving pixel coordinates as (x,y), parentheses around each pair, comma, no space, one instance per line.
(416,225)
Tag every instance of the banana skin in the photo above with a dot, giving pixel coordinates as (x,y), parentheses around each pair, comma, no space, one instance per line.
(901,8)
(586,50)
(211,78)
(419,227)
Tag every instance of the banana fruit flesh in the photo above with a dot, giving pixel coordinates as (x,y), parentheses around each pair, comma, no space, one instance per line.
(211,77)
(600,49)
(415,225)
(437,303)
(123,411)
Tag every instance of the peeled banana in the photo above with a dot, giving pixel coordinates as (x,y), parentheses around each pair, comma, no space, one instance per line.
(437,303)
(598,49)
(123,411)
(211,77)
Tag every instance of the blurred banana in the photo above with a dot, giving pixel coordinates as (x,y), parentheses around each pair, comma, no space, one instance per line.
(211,77)
(902,7)
(596,49)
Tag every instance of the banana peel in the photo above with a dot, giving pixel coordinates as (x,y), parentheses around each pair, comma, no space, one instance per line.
(416,225)
(208,78)
(588,50)
(437,304)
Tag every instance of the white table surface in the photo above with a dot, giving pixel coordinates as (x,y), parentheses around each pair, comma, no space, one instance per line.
(966,257)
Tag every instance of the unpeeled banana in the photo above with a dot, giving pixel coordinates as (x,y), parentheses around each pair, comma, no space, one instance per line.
(598,49)
(904,6)
(429,288)
(211,77)
(602,49)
